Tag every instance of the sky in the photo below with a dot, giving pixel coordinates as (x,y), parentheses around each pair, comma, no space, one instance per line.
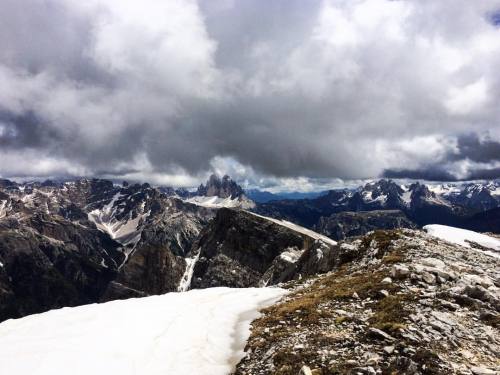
(291,93)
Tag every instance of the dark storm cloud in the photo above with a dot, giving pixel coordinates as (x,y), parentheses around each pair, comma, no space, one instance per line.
(470,148)
(25,130)
(473,148)
(437,174)
(277,88)
(428,174)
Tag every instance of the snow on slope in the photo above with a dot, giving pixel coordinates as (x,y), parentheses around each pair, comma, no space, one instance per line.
(461,236)
(200,332)
(185,282)
(3,208)
(298,228)
(124,231)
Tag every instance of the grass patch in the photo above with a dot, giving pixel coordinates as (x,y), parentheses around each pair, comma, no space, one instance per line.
(390,313)
(383,238)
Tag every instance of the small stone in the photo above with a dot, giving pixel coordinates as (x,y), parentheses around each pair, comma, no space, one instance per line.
(433,262)
(449,305)
(389,349)
(355,295)
(482,371)
(379,334)
(305,370)
(399,271)
(384,293)
(387,280)
(428,278)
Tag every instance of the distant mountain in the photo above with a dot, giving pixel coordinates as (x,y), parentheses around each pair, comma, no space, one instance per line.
(261,196)
(421,203)
(222,188)
(220,192)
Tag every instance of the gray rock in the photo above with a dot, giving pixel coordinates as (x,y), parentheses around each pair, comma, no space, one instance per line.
(399,271)
(379,334)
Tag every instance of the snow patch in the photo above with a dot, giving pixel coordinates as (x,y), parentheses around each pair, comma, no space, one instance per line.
(461,236)
(3,208)
(185,282)
(291,255)
(126,232)
(200,332)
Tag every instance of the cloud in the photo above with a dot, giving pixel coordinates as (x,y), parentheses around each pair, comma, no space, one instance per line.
(278,90)
(471,158)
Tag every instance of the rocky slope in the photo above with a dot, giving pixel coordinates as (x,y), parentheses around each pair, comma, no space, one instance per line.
(47,262)
(401,302)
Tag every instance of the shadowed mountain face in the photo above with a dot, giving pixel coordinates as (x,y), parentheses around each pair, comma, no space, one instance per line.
(348,224)
(241,249)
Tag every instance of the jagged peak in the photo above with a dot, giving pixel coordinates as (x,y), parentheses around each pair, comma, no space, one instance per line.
(224,187)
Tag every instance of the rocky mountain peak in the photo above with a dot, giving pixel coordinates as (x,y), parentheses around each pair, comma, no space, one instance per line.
(223,187)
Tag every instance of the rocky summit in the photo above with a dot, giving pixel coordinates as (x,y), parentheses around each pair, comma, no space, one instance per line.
(223,187)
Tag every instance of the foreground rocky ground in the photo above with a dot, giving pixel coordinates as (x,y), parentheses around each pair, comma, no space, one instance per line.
(402,302)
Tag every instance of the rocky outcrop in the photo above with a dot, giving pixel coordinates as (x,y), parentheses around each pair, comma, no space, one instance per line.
(349,224)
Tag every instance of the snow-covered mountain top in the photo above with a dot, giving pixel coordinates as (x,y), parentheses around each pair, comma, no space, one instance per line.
(465,237)
(200,332)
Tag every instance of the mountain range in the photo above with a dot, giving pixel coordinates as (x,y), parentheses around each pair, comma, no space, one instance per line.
(84,241)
